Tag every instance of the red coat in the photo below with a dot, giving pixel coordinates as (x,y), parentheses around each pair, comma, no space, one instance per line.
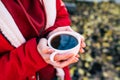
(23,62)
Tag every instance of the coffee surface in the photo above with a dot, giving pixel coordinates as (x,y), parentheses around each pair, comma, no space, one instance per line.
(64,42)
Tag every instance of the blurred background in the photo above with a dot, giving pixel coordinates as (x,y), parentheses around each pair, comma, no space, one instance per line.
(99,22)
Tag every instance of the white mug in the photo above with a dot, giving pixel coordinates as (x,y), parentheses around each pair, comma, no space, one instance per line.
(75,49)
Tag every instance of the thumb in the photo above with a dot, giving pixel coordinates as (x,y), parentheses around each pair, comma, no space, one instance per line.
(42,46)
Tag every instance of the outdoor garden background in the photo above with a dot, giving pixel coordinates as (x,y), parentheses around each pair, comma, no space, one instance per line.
(99,23)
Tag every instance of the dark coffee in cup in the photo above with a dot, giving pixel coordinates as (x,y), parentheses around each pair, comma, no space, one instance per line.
(63,42)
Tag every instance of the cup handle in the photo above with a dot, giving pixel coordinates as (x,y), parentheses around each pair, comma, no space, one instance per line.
(52,56)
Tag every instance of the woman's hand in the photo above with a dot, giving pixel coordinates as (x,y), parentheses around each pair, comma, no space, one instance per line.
(61,60)
(44,50)
(66,28)
(83,45)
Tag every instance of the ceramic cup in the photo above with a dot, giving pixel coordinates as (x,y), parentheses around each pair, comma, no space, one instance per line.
(64,42)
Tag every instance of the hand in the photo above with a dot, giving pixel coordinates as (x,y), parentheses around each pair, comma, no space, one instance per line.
(61,60)
(65,59)
(83,45)
(44,50)
(67,28)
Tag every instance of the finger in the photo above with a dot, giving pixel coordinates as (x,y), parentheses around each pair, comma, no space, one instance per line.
(56,30)
(82,38)
(82,41)
(64,28)
(66,63)
(83,45)
(65,56)
(69,29)
(77,56)
(82,50)
(42,46)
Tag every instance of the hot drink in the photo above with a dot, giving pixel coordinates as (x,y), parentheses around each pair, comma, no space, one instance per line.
(63,42)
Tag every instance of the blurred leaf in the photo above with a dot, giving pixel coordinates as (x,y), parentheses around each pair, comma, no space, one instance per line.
(87,65)
(88,58)
(105,74)
(72,70)
(74,28)
(106,44)
(117,69)
(81,71)
(109,58)
(97,45)
(116,78)
(85,78)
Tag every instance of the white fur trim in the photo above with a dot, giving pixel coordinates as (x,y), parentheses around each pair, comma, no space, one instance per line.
(50,9)
(9,28)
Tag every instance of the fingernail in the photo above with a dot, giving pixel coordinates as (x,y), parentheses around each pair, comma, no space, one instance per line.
(77,59)
(82,50)
(77,55)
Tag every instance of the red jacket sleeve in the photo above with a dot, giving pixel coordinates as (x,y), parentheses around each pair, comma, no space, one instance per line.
(20,62)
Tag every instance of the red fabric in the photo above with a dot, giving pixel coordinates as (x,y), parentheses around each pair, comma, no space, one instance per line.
(45,72)
(23,62)
(34,13)
(67,73)
(19,63)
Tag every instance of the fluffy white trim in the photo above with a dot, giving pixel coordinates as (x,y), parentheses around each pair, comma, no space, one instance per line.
(50,9)
(9,28)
